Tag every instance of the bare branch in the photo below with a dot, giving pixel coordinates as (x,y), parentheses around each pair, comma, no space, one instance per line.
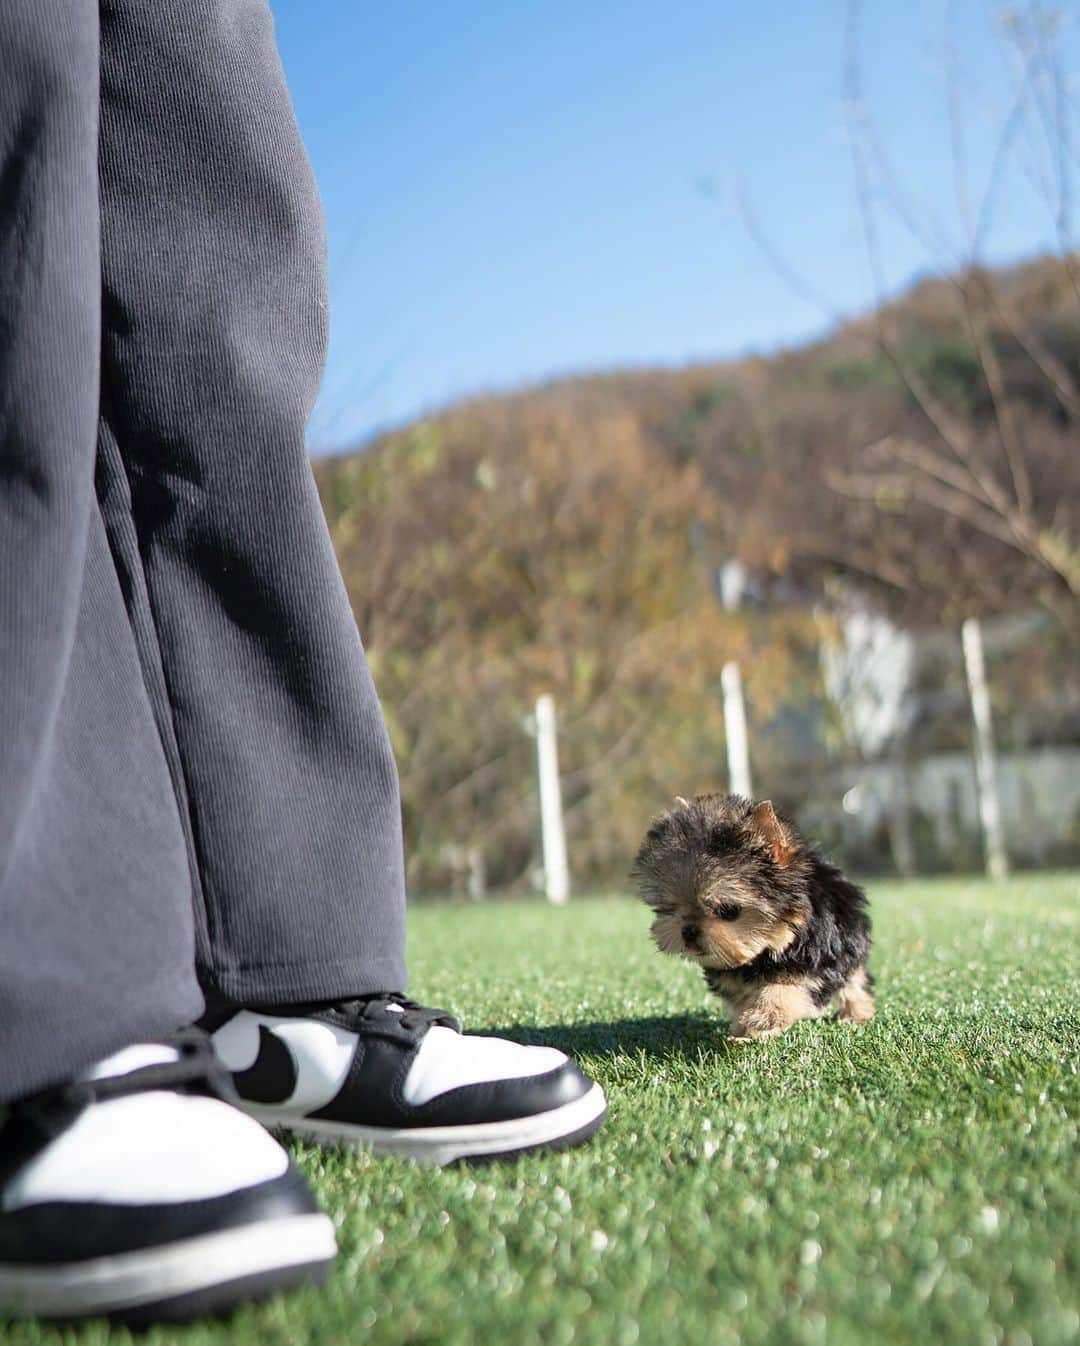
(1003,417)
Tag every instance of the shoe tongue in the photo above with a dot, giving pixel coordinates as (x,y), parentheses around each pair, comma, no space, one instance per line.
(131,1058)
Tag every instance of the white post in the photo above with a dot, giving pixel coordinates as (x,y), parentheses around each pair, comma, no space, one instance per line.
(997,860)
(553,835)
(738,745)
(732,584)
(476,883)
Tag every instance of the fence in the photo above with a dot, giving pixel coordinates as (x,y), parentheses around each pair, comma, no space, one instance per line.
(877,755)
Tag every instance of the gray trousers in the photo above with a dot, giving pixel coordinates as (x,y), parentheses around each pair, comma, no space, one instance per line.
(197,795)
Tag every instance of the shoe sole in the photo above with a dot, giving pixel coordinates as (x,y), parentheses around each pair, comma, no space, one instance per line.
(562,1127)
(175,1281)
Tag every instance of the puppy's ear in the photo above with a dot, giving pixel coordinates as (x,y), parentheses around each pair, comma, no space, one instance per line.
(682,803)
(769,826)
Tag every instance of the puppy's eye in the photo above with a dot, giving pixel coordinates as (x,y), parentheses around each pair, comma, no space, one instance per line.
(728,911)
(662,910)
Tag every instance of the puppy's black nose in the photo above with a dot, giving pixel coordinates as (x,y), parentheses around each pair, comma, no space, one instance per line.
(690,934)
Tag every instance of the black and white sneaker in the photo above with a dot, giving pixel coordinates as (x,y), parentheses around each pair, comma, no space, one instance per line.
(137,1190)
(386,1073)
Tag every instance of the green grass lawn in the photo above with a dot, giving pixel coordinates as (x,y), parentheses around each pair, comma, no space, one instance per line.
(912,1181)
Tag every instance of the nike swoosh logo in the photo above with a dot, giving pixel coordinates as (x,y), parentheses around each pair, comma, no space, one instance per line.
(272,1078)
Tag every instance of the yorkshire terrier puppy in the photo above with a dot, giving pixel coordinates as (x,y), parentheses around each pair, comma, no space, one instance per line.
(777,930)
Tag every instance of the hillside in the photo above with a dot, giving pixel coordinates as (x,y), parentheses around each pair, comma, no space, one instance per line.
(569,538)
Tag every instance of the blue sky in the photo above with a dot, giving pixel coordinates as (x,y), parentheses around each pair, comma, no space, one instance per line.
(516,189)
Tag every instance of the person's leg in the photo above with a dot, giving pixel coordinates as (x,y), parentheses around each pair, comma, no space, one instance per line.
(214,318)
(128,1181)
(214,331)
(95,911)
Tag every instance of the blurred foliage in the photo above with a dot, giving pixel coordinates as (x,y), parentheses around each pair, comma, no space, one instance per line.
(569,540)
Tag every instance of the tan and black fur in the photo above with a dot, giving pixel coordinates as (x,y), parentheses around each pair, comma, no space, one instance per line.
(778,931)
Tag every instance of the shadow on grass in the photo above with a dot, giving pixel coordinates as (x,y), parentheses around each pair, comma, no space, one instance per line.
(687,1035)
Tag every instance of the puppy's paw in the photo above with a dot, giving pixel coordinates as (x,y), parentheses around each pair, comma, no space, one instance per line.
(855,999)
(752,1032)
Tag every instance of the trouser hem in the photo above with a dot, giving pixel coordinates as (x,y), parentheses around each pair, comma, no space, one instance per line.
(297,983)
(72,1043)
